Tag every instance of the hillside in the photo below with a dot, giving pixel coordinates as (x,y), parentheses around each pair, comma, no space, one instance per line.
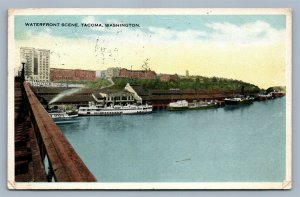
(195,83)
(277,89)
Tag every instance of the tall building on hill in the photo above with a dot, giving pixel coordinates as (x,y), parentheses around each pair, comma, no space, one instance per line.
(112,72)
(100,73)
(109,73)
(37,65)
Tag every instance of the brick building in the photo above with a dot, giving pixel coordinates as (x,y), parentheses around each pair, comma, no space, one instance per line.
(166,77)
(138,74)
(72,74)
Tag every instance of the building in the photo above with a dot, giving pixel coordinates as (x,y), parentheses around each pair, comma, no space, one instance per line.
(37,64)
(72,74)
(137,74)
(105,97)
(112,72)
(108,97)
(166,77)
(100,73)
(109,73)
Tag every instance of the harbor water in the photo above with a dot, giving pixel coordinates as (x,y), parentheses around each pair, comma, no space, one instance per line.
(242,144)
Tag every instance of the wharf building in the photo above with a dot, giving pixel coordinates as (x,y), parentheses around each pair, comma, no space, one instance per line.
(102,97)
(37,65)
(129,94)
(59,74)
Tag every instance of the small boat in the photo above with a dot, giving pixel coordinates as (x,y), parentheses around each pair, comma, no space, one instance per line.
(278,94)
(178,105)
(263,97)
(184,105)
(236,101)
(59,115)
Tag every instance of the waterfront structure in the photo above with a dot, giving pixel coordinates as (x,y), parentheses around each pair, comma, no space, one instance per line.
(107,97)
(130,94)
(137,74)
(37,64)
(161,98)
(167,77)
(103,97)
(72,74)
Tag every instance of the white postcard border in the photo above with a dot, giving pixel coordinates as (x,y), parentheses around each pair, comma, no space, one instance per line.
(286,184)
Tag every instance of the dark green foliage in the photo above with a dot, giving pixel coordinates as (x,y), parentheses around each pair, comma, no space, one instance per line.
(191,83)
(276,88)
(98,83)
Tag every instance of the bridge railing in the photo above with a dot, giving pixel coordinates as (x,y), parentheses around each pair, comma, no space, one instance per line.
(64,164)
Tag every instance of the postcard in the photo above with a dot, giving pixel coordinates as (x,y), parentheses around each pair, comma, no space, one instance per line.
(149,99)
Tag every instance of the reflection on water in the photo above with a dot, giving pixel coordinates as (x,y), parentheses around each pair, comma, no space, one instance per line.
(244,144)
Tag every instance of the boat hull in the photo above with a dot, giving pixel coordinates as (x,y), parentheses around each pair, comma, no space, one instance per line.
(203,107)
(236,103)
(127,110)
(177,108)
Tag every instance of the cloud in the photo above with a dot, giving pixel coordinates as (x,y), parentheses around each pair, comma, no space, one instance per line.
(174,35)
(225,34)
(259,32)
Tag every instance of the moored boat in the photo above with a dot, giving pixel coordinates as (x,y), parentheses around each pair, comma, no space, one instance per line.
(203,105)
(278,94)
(59,115)
(178,105)
(184,105)
(136,109)
(236,101)
(263,97)
(114,110)
(99,111)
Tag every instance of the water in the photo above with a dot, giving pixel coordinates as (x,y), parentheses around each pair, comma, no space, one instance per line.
(216,145)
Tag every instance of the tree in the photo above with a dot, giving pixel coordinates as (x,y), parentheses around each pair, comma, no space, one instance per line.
(145,65)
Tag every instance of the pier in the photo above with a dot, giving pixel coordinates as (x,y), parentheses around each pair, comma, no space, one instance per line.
(42,152)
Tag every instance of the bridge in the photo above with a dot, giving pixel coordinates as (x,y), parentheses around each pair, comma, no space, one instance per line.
(42,152)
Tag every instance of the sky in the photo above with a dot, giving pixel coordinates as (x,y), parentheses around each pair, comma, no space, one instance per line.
(251,48)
